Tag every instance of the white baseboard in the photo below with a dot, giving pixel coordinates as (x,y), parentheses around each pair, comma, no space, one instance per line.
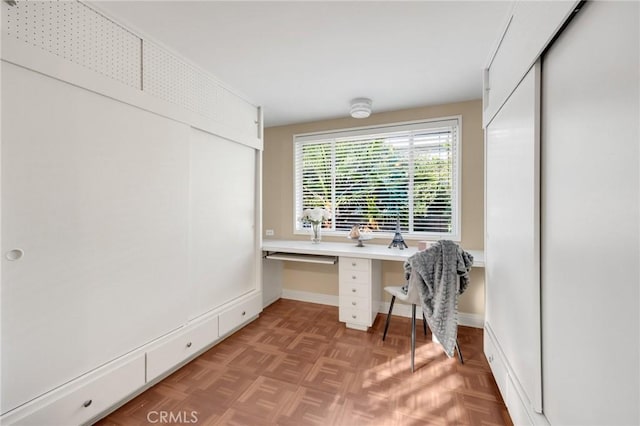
(272,299)
(401,309)
(471,320)
(404,310)
(306,296)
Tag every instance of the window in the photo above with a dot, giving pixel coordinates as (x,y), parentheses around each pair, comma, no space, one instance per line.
(377,176)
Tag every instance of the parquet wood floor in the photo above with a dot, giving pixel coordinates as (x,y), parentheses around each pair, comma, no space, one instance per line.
(297,365)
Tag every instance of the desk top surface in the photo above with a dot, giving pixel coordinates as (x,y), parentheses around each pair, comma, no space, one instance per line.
(369,251)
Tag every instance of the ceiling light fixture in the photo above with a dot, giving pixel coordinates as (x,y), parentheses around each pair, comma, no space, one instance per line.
(361,107)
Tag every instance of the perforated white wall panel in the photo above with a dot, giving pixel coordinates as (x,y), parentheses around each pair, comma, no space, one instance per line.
(168,77)
(77,33)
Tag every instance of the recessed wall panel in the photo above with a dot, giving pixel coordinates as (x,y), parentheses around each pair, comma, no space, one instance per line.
(222,217)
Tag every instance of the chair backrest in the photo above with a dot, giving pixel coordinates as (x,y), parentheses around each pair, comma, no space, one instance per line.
(413,294)
(424,258)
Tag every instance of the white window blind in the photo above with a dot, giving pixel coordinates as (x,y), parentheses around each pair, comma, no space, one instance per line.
(376,176)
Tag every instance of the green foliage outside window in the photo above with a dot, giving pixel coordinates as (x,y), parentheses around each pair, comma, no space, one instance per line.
(377,181)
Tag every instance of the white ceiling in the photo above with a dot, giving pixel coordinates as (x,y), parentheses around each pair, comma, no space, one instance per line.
(304,61)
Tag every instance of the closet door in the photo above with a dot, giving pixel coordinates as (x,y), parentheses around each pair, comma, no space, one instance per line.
(94,231)
(222,248)
(590,268)
(512,235)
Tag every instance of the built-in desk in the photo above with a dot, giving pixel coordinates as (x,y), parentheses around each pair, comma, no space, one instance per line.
(359,271)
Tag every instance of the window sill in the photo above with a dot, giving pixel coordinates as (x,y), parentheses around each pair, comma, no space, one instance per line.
(385,235)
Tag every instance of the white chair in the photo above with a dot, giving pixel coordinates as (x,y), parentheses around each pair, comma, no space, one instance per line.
(412,296)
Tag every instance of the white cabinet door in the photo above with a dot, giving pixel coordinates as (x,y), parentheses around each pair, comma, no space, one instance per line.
(529,30)
(94,192)
(590,274)
(512,234)
(222,247)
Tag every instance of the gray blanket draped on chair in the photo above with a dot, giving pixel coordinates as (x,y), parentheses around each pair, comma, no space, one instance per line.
(440,273)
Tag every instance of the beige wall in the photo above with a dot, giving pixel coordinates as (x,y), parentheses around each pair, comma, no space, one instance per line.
(278,207)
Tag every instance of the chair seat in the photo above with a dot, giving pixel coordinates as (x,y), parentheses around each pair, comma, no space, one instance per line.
(397,292)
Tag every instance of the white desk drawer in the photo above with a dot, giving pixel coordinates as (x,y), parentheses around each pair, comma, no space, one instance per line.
(357,303)
(357,282)
(240,313)
(185,344)
(354,264)
(354,316)
(355,289)
(86,399)
(348,277)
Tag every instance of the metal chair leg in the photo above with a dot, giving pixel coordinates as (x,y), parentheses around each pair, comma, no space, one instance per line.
(386,324)
(424,323)
(413,336)
(459,353)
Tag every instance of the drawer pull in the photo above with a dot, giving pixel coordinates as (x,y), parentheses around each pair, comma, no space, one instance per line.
(87,403)
(490,358)
(353,290)
(189,344)
(353,263)
(353,277)
(354,303)
(15,254)
(354,316)
(244,313)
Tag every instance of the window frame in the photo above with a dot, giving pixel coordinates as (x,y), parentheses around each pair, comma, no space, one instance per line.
(456,192)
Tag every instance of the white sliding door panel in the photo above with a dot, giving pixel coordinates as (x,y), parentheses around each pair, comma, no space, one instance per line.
(222,251)
(590,269)
(512,235)
(530,29)
(94,192)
